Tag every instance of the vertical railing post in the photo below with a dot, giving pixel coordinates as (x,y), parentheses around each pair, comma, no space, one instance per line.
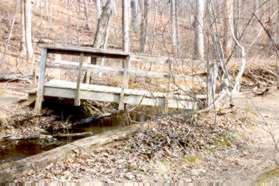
(87,74)
(58,58)
(125,82)
(77,96)
(40,89)
(169,92)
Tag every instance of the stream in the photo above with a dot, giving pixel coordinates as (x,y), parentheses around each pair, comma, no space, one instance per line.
(12,150)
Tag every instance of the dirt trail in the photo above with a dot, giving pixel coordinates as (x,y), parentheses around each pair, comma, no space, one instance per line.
(255,151)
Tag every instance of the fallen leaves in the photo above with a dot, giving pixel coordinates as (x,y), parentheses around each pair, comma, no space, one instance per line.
(148,154)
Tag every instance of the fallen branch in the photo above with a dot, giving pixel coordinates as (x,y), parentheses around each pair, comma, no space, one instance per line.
(73,135)
(32,137)
(91,119)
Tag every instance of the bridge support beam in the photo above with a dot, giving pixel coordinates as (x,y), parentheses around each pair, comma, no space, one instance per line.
(40,89)
(125,82)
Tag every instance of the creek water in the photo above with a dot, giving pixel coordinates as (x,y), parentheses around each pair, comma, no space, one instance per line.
(11,150)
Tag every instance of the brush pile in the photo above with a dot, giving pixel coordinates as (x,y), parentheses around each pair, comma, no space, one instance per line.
(175,136)
(258,73)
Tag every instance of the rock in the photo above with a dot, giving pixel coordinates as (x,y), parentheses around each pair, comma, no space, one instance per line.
(197,172)
(129,176)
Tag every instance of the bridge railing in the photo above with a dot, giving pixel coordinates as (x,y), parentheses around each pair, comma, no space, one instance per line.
(81,52)
(125,71)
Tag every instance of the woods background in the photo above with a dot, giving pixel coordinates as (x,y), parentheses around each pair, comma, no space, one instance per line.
(155,27)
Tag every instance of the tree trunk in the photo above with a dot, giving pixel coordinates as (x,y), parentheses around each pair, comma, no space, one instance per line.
(236,19)
(125,14)
(257,8)
(237,22)
(28,35)
(174,25)
(212,82)
(28,28)
(98,8)
(103,26)
(277,41)
(85,3)
(199,34)
(144,26)
(23,41)
(228,19)
(277,26)
(101,36)
(134,14)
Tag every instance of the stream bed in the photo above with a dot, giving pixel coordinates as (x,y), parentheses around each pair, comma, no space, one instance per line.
(12,150)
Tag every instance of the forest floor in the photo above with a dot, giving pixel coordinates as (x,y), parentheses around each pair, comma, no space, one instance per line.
(228,145)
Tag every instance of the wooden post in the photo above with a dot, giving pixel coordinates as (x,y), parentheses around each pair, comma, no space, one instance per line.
(125,42)
(87,74)
(40,90)
(125,83)
(77,97)
(58,59)
(166,103)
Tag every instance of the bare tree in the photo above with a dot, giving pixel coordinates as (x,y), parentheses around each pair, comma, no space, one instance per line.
(125,14)
(134,14)
(102,32)
(98,8)
(237,14)
(28,28)
(199,34)
(12,24)
(277,27)
(23,41)
(174,26)
(144,25)
(228,18)
(85,4)
(229,87)
(103,26)
(257,9)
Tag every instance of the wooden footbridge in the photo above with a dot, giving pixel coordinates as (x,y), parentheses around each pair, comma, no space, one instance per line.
(86,91)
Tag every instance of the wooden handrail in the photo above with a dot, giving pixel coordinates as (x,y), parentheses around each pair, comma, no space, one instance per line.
(94,52)
(70,65)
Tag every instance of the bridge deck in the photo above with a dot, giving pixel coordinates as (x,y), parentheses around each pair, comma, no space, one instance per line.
(66,89)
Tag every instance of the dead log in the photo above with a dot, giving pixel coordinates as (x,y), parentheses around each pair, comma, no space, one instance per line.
(10,171)
(15,77)
(90,120)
